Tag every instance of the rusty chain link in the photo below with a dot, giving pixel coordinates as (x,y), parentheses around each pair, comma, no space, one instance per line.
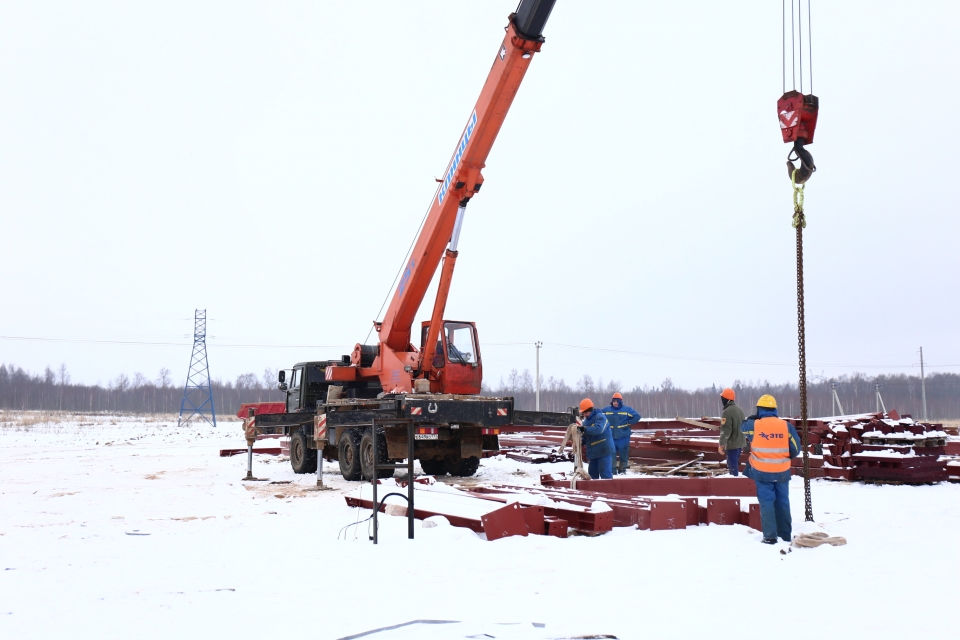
(799,223)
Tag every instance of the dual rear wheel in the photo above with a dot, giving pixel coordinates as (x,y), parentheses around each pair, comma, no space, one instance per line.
(356,454)
(356,457)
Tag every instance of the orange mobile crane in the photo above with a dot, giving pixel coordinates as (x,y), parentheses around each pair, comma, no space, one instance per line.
(335,405)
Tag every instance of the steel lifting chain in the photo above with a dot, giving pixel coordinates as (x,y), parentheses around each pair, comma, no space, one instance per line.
(799,223)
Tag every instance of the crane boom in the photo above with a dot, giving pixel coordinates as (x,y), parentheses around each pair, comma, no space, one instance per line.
(462,179)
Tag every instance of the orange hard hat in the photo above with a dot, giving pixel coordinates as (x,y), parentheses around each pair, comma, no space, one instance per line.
(617,396)
(585,404)
(728,394)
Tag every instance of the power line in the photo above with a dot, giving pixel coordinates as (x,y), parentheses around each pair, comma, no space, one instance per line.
(699,359)
(175,344)
(486,344)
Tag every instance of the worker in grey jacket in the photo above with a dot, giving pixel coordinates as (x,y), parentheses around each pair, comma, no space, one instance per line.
(732,439)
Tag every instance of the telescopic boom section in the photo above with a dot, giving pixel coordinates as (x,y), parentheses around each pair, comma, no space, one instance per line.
(461,181)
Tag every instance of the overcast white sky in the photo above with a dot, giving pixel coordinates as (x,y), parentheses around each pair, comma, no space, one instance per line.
(270,162)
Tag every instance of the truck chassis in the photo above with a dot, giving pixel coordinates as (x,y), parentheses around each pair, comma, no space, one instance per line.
(451,432)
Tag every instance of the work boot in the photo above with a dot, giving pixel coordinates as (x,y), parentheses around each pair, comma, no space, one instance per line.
(769,541)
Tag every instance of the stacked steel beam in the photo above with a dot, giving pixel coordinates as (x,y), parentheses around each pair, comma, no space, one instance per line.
(879,447)
(593,507)
(721,501)
(900,450)
(871,447)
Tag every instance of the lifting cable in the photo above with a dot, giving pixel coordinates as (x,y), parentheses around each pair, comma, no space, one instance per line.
(798,120)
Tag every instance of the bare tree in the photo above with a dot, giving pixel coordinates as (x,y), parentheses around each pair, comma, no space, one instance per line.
(120,386)
(270,378)
(63,378)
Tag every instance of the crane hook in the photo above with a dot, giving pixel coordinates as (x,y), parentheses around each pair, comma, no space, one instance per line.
(806,168)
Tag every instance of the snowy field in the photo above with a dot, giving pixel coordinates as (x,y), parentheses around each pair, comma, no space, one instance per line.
(126,528)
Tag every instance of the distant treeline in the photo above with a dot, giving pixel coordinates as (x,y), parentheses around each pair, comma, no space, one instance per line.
(857,394)
(54,391)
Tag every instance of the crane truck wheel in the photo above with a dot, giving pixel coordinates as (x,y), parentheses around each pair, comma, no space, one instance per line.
(302,458)
(349,454)
(463,467)
(434,467)
(366,454)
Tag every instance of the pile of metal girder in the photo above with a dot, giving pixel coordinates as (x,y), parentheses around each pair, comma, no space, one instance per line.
(721,501)
(593,507)
(870,447)
(880,447)
(900,450)
(494,515)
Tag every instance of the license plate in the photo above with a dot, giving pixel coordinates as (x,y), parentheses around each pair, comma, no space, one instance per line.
(426,436)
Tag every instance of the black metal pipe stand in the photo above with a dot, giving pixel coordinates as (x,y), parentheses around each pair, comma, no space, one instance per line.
(377,466)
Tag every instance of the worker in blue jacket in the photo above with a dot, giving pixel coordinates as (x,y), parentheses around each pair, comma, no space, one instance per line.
(773,442)
(599,441)
(621,417)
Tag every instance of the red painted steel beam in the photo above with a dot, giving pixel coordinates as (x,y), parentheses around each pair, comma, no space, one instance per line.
(421,514)
(668,514)
(588,520)
(644,513)
(634,486)
(507,521)
(651,426)
(532,517)
(269,451)
(723,511)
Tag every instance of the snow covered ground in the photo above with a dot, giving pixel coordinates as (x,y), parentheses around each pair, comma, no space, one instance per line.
(119,528)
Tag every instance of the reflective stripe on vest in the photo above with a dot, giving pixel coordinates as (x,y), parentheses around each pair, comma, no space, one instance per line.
(770,449)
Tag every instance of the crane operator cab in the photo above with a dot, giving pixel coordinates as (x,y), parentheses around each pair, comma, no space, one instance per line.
(455,367)
(305,386)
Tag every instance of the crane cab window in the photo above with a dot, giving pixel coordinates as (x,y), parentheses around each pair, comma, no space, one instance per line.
(294,379)
(461,347)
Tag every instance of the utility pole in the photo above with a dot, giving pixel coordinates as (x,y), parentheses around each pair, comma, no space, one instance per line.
(538,344)
(835,404)
(923,387)
(880,404)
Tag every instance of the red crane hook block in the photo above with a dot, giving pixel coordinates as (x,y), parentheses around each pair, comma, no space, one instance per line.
(798,120)
(798,116)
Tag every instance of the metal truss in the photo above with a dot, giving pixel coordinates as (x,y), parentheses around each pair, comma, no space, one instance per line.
(197,393)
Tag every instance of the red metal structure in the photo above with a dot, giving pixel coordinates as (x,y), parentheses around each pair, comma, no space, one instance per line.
(798,122)
(448,357)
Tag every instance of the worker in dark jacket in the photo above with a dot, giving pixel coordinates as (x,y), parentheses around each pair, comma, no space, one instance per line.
(620,418)
(598,439)
(773,442)
(732,439)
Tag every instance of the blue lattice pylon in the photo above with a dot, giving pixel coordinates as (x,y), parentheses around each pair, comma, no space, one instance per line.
(197,392)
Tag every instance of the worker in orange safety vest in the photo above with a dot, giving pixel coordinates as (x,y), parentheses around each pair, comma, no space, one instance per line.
(773,442)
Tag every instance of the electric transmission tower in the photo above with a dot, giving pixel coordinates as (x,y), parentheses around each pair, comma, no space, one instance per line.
(197,392)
